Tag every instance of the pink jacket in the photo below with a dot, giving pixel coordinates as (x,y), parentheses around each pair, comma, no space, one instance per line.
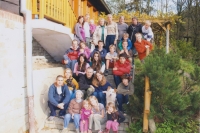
(85,114)
(76,68)
(86,52)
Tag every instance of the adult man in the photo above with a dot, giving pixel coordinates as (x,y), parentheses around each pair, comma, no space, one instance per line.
(121,67)
(58,98)
(71,55)
(134,28)
(86,27)
(85,82)
(122,28)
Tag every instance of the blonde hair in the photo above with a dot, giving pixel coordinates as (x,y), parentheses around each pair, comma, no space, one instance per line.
(86,102)
(125,35)
(94,98)
(112,105)
(147,22)
(70,72)
(112,46)
(138,34)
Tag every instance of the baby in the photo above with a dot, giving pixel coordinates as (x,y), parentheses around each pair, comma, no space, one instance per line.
(92,27)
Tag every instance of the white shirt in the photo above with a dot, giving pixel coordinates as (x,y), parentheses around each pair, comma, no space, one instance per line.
(111,55)
(59,90)
(86,27)
(147,33)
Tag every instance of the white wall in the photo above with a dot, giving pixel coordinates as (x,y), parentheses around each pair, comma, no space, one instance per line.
(42,79)
(13,95)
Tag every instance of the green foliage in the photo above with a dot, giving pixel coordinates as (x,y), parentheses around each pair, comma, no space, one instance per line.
(135,127)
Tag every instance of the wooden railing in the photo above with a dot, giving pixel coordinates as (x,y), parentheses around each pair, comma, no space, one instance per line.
(59,11)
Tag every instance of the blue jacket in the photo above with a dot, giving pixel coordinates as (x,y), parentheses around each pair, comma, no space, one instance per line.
(102,52)
(128,47)
(102,88)
(55,98)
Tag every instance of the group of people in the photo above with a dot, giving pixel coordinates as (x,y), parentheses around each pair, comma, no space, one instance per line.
(114,44)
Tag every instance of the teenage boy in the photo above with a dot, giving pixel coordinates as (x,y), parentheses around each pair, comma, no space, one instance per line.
(111,57)
(128,53)
(58,98)
(101,50)
(71,55)
(121,67)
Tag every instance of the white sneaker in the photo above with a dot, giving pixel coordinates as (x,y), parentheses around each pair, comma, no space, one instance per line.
(51,118)
(65,130)
(77,131)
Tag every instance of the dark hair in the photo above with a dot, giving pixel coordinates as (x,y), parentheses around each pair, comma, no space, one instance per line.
(135,18)
(122,55)
(100,41)
(59,76)
(79,19)
(83,67)
(98,66)
(126,76)
(81,43)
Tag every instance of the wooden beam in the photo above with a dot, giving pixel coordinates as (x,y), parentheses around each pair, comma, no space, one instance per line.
(161,25)
(84,7)
(77,8)
(167,38)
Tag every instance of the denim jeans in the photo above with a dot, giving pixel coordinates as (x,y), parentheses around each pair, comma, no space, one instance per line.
(72,94)
(101,97)
(121,99)
(68,118)
(109,40)
(53,109)
(117,80)
(71,63)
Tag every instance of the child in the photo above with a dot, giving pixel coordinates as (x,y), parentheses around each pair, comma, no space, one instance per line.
(85,114)
(147,31)
(111,57)
(92,27)
(127,52)
(125,38)
(114,118)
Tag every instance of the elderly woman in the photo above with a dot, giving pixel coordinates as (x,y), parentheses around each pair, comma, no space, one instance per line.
(98,117)
(112,32)
(100,32)
(100,84)
(74,112)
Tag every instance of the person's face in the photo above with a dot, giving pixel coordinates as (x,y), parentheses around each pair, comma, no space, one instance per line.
(101,22)
(122,60)
(59,81)
(91,22)
(125,82)
(100,44)
(87,17)
(82,45)
(138,37)
(99,76)
(75,45)
(86,105)
(112,50)
(125,38)
(81,20)
(93,102)
(121,20)
(146,26)
(82,59)
(67,73)
(78,95)
(96,57)
(124,45)
(134,21)
(89,73)
(110,109)
(109,18)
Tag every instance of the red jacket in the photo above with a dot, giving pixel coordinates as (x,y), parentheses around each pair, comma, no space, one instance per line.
(141,49)
(122,68)
(72,54)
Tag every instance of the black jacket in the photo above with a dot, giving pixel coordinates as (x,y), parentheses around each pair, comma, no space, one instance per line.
(117,115)
(132,30)
(84,82)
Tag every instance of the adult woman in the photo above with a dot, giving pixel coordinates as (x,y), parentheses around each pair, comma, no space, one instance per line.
(124,89)
(96,63)
(100,32)
(100,84)
(112,32)
(86,50)
(74,112)
(80,66)
(70,82)
(98,116)
(79,30)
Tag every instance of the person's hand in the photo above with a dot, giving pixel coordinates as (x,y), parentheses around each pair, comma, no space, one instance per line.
(72,116)
(122,51)
(83,122)
(61,105)
(102,116)
(92,87)
(76,73)
(114,68)
(115,42)
(146,46)
(65,61)
(115,120)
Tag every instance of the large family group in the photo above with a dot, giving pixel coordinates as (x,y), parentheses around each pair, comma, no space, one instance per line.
(94,50)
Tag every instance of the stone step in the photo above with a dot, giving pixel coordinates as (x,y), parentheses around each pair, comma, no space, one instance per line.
(57,124)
